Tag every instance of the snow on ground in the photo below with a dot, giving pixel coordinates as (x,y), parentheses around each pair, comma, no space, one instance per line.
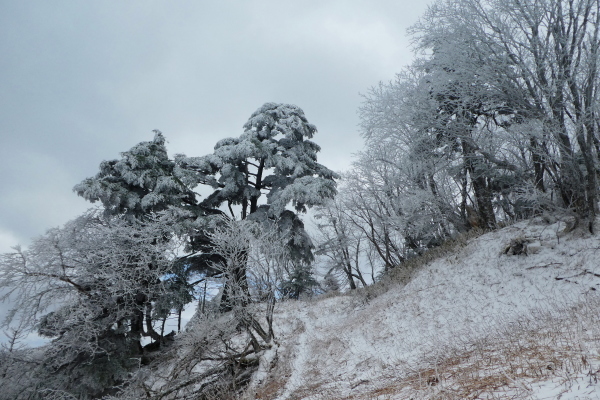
(463,320)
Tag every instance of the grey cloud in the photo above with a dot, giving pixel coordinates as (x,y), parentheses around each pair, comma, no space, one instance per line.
(83,81)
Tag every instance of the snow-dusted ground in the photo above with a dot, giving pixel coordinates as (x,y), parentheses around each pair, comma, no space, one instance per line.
(477,323)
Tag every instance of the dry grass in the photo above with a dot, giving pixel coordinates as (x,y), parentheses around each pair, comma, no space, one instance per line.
(509,360)
(562,345)
(275,384)
(403,273)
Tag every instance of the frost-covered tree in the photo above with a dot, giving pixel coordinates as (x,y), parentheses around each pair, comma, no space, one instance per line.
(330,283)
(496,119)
(272,158)
(341,242)
(272,165)
(411,187)
(300,282)
(88,287)
(145,181)
(517,65)
(141,182)
(98,286)
(218,352)
(16,373)
(439,118)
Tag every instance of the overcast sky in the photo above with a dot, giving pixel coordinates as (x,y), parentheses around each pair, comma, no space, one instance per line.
(82,81)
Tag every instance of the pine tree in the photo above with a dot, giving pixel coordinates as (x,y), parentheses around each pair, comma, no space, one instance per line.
(141,182)
(271,165)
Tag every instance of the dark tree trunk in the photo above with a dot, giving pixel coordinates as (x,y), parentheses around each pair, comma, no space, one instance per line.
(235,289)
(483,196)
(538,165)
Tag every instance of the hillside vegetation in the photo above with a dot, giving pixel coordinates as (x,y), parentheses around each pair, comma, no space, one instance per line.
(476,323)
(509,314)
(396,293)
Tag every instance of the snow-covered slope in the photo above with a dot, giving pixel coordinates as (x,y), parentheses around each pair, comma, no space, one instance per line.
(476,323)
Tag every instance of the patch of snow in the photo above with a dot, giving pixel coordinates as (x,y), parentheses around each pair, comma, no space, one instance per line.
(354,344)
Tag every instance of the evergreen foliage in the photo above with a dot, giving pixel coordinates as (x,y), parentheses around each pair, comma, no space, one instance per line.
(496,121)
(271,165)
(300,282)
(141,182)
(106,280)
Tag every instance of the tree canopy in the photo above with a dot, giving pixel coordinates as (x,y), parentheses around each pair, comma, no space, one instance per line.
(272,158)
(141,182)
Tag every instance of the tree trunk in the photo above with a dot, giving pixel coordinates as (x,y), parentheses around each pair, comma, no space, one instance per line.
(483,194)
(235,289)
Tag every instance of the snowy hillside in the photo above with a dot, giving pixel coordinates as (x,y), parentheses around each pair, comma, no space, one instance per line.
(477,323)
